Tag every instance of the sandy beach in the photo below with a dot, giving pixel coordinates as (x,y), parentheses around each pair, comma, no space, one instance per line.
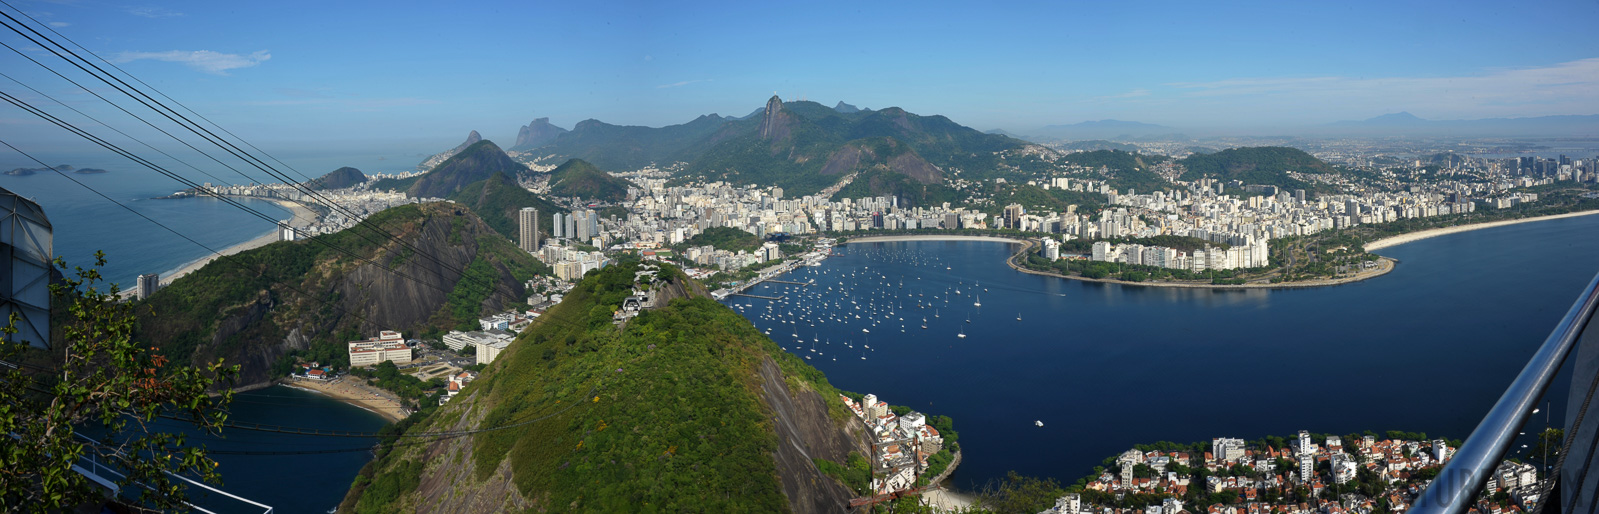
(944,500)
(1417,236)
(303,216)
(351,390)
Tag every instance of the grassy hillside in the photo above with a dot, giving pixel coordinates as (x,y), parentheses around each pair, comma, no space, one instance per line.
(499,200)
(580,179)
(665,415)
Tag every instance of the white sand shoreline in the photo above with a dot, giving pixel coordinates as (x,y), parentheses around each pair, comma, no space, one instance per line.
(301,216)
(1435,232)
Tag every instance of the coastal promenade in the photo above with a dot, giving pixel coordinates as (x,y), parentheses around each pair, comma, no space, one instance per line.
(1384,264)
(1424,234)
(302,217)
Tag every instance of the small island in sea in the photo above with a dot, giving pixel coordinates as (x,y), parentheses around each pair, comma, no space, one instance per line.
(23,172)
(90,171)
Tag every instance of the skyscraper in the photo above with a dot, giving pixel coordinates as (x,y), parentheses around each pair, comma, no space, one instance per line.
(571,225)
(1307,458)
(147,284)
(529,225)
(555,222)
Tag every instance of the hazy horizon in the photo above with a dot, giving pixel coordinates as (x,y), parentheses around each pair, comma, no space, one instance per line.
(316,72)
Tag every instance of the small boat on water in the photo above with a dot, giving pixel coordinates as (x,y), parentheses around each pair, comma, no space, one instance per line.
(1038,423)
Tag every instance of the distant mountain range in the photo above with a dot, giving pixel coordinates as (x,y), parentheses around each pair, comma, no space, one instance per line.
(1102,129)
(801,146)
(1404,123)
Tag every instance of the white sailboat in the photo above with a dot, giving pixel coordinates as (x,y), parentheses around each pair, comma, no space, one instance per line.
(962,333)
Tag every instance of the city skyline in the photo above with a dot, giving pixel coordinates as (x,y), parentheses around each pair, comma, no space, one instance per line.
(356,72)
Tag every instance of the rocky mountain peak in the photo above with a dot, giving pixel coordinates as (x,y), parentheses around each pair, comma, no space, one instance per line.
(536,134)
(769,119)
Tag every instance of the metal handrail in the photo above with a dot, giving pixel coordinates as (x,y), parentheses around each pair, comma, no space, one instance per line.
(1458,484)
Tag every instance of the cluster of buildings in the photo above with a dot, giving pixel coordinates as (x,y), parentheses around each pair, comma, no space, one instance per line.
(1311,466)
(355,205)
(901,445)
(487,343)
(711,257)
(387,346)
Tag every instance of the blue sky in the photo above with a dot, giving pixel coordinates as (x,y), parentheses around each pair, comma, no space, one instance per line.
(315,72)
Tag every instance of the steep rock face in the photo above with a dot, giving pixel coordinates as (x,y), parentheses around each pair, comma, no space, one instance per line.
(885,152)
(439,158)
(805,432)
(536,134)
(775,124)
(916,167)
(846,108)
(261,304)
(844,160)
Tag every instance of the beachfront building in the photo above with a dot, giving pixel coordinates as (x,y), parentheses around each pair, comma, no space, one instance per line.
(387,346)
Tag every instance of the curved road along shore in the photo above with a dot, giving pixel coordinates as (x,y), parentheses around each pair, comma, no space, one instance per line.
(1435,232)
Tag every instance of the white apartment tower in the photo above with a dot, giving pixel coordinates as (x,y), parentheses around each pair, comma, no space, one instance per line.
(529,225)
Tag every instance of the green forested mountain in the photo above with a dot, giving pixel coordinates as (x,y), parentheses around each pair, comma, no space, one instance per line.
(626,148)
(800,146)
(338,179)
(477,162)
(725,238)
(312,296)
(686,407)
(1130,170)
(805,147)
(580,179)
(499,200)
(1267,165)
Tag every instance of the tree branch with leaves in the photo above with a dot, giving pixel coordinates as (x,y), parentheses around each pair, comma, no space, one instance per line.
(96,379)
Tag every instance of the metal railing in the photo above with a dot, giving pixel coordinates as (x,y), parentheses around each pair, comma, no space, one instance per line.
(90,467)
(1457,486)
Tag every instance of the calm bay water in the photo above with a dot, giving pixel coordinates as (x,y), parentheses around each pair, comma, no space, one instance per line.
(316,472)
(1426,348)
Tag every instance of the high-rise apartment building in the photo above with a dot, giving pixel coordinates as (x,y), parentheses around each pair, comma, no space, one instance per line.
(528,224)
(146,285)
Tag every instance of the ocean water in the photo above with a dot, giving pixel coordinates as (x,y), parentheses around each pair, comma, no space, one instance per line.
(84,222)
(1426,348)
(290,473)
